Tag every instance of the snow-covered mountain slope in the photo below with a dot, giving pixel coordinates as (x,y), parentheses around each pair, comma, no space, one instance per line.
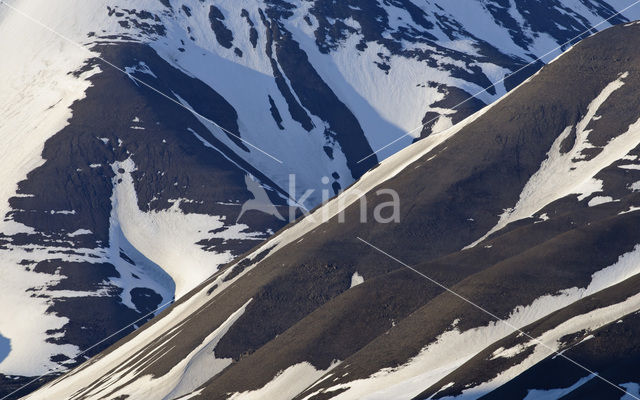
(115,200)
(316,313)
(127,133)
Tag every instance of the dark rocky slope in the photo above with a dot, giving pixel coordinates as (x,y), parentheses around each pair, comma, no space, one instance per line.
(289,305)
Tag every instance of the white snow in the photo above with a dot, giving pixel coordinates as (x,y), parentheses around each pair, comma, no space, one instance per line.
(35,102)
(507,353)
(169,237)
(550,342)
(35,105)
(204,365)
(123,366)
(599,200)
(37,93)
(453,347)
(191,395)
(633,389)
(142,68)
(80,232)
(287,384)
(236,79)
(631,209)
(630,166)
(563,174)
(63,212)
(356,279)
(387,169)
(26,325)
(553,394)
(386,105)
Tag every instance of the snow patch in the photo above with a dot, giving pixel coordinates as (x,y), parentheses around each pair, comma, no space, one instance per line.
(80,232)
(635,187)
(633,389)
(356,279)
(169,237)
(630,166)
(122,367)
(553,394)
(287,384)
(453,348)
(599,200)
(562,174)
(204,365)
(508,353)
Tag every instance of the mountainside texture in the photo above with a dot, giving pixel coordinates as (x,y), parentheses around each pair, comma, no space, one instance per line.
(528,211)
(133,137)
